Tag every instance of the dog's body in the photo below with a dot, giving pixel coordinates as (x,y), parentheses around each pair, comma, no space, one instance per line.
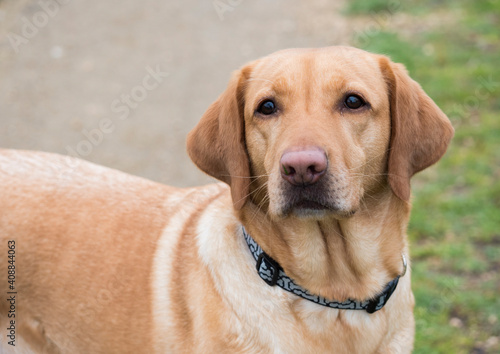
(110,263)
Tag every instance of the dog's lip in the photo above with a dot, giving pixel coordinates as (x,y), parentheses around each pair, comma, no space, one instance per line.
(310,204)
(313,207)
(307,206)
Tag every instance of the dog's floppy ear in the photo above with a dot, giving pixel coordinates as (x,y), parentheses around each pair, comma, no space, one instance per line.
(420,131)
(217,144)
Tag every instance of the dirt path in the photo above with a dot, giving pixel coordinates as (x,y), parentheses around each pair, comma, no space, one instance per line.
(120,83)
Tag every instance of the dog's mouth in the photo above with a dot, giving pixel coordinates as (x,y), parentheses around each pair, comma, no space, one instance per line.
(309,204)
(314,209)
(305,204)
(317,201)
(308,208)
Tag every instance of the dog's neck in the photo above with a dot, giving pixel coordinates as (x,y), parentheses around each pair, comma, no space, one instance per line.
(353,257)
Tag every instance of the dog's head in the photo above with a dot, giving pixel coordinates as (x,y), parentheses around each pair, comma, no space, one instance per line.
(310,132)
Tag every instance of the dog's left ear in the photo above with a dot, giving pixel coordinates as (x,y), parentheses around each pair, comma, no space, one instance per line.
(420,131)
(217,143)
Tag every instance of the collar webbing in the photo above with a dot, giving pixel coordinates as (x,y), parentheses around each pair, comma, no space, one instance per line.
(272,273)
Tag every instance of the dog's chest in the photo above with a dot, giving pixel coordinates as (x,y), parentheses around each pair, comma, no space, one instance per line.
(260,318)
(227,305)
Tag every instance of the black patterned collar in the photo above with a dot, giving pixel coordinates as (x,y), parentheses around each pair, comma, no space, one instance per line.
(272,273)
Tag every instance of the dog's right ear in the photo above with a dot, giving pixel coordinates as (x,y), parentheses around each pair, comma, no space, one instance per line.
(217,143)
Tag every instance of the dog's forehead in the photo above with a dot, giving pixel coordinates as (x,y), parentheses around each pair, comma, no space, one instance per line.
(319,65)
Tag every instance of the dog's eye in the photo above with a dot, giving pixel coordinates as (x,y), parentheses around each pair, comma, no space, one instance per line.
(267,107)
(354,102)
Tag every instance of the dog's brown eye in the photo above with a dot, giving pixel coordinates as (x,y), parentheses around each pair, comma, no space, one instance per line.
(267,107)
(354,102)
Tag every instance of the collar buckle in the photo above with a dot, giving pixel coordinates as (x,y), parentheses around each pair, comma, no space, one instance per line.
(268,269)
(380,300)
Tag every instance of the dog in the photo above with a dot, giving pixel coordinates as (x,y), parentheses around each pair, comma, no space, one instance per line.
(302,249)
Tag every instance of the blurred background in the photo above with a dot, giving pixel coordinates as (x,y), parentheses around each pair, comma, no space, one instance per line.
(120,83)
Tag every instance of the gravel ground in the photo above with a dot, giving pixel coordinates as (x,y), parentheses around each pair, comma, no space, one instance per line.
(121,83)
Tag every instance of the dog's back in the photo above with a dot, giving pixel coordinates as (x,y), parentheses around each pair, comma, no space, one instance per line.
(73,222)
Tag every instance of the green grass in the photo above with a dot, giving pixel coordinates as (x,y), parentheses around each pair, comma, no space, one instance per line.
(452,48)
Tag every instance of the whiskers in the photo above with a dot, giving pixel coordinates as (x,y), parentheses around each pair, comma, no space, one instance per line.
(368,161)
(357,172)
(249,177)
(256,191)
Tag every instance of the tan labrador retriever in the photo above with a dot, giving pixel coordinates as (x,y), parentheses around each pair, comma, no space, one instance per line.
(300,253)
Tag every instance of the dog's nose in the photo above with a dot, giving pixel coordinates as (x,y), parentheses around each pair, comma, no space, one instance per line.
(303,167)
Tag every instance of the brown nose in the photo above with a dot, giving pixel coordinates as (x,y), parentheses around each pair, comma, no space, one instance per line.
(303,167)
